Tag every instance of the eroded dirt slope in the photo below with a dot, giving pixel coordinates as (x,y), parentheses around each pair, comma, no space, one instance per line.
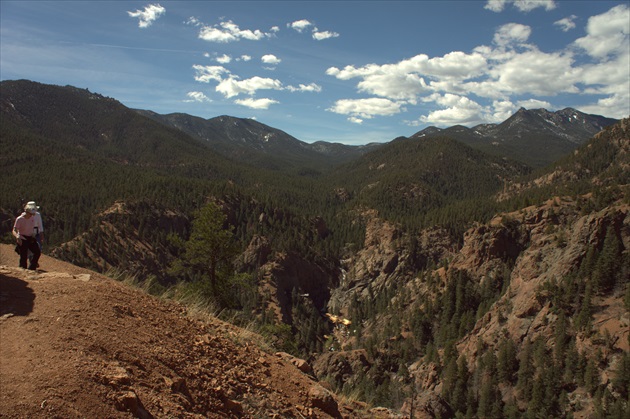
(76,344)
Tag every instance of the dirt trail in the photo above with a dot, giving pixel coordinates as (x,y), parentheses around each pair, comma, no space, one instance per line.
(76,344)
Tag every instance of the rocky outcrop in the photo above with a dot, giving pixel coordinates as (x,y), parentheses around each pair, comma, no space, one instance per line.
(127,237)
(389,256)
(559,239)
(340,368)
(255,255)
(301,364)
(542,244)
(428,406)
(490,246)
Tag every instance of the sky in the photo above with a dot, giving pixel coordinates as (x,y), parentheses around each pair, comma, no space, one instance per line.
(352,72)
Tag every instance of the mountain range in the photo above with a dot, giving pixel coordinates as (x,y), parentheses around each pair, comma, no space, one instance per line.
(477,272)
(249,140)
(537,137)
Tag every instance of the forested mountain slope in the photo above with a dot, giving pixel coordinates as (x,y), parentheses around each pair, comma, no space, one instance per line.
(259,144)
(425,181)
(77,152)
(73,120)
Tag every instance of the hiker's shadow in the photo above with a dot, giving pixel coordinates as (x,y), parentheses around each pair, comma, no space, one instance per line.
(16,297)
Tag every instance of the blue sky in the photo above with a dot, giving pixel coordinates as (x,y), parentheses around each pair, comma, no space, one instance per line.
(342,71)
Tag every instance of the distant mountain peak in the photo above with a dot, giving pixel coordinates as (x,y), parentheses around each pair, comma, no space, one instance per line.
(428,131)
(534,136)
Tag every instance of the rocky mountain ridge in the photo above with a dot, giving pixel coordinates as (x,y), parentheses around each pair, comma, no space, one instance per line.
(240,137)
(555,133)
(528,273)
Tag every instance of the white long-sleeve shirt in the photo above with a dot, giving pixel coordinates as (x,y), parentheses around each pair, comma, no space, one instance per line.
(27,226)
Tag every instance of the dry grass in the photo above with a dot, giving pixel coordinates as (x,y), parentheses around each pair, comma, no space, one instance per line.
(196,307)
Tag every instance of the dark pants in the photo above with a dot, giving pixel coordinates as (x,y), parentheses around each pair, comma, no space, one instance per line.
(29,243)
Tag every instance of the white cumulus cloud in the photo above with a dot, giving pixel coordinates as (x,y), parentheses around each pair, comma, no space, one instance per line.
(224,59)
(407,79)
(149,15)
(263,103)
(197,97)
(231,86)
(270,59)
(312,87)
(522,5)
(503,76)
(512,33)
(501,110)
(535,72)
(567,23)
(607,34)
(321,35)
(206,73)
(228,31)
(534,104)
(193,21)
(495,5)
(300,25)
(366,108)
(459,110)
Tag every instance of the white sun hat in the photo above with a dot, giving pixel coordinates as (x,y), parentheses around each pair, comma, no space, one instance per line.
(31,207)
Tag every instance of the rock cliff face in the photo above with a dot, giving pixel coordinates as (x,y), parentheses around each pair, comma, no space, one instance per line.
(389,256)
(531,251)
(559,239)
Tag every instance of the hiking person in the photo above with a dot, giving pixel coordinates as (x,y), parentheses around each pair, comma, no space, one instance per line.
(29,233)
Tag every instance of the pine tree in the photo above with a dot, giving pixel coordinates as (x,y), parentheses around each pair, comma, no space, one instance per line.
(591,376)
(211,247)
(506,360)
(449,379)
(490,404)
(608,265)
(621,380)
(526,370)
(207,258)
(584,319)
(535,405)
(588,263)
(460,390)
(571,362)
(560,339)
(485,398)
